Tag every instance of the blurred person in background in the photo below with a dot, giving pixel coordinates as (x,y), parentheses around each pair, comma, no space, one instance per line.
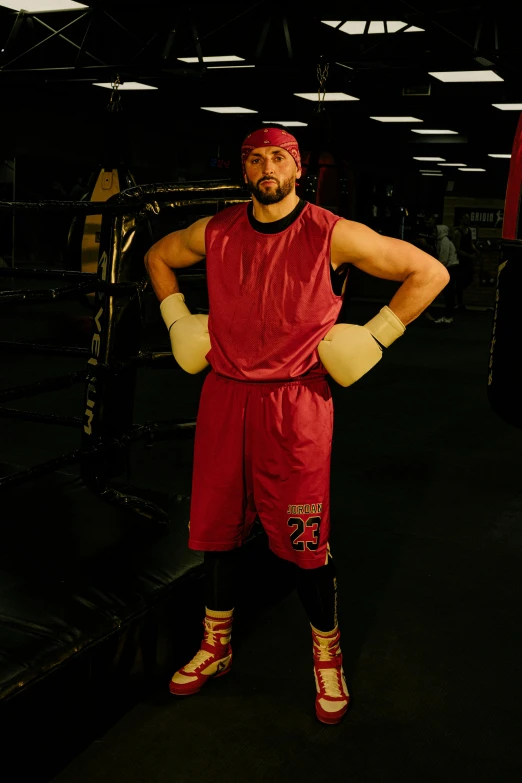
(447,255)
(467,255)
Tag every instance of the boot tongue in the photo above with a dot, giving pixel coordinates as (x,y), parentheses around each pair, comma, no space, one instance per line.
(211,646)
(217,625)
(325,649)
(215,632)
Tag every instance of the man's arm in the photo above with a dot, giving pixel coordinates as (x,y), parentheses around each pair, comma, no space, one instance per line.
(444,251)
(422,276)
(175,251)
(189,337)
(349,351)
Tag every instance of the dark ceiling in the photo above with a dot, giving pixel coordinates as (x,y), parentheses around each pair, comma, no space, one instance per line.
(142,41)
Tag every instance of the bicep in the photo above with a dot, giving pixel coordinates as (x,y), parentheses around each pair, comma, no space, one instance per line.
(377,255)
(182,248)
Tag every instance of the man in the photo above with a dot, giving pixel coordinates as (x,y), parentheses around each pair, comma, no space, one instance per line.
(264,425)
(447,256)
(467,254)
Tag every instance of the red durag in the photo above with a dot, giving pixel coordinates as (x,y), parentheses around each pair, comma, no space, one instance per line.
(271,137)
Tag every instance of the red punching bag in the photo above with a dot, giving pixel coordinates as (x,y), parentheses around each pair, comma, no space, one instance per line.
(319,183)
(323,180)
(505,361)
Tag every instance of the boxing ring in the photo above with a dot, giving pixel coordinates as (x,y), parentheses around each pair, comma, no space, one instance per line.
(114,356)
(92,568)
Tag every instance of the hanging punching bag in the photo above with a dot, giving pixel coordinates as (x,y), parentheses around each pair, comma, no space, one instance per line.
(505,361)
(320,181)
(110,176)
(323,182)
(326,179)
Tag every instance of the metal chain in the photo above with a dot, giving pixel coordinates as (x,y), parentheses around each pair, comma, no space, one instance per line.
(114,103)
(322,75)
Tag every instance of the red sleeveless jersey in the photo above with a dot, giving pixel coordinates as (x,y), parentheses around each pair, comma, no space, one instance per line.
(270,295)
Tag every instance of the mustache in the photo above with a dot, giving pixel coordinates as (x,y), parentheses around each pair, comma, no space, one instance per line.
(267,179)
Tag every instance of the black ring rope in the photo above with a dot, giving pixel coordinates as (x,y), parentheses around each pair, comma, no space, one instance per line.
(48,350)
(45,294)
(40,387)
(46,418)
(20,296)
(157,359)
(56,274)
(133,197)
(154,430)
(46,274)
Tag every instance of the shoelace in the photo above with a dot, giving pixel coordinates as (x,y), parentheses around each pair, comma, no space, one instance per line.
(330,680)
(325,652)
(202,656)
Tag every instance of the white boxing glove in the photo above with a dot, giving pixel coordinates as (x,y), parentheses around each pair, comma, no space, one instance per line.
(188,333)
(349,351)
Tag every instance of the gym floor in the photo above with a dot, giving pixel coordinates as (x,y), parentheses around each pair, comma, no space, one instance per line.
(427,538)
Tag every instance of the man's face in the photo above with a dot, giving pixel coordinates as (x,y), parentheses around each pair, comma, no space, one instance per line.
(270,174)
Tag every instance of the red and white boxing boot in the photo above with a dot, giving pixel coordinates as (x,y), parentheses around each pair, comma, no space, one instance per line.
(332,698)
(213,659)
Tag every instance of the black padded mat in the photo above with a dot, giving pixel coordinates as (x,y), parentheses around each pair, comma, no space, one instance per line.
(427,521)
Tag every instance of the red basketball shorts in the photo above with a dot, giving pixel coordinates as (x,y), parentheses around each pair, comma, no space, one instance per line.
(263,449)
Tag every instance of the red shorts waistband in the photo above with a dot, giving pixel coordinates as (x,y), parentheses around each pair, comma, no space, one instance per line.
(288,382)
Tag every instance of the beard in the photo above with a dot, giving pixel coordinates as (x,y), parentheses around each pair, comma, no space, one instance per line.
(274,194)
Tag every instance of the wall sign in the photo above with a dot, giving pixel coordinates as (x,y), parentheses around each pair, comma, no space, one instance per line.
(480,217)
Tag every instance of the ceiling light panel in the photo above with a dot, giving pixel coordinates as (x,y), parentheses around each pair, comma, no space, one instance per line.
(499,154)
(35,6)
(508,106)
(125,86)
(373,27)
(330,96)
(428,159)
(353,28)
(228,109)
(466,76)
(436,132)
(458,165)
(468,169)
(393,27)
(396,119)
(225,58)
(286,123)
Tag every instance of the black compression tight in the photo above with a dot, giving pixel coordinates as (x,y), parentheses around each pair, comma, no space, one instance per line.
(222,576)
(316,587)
